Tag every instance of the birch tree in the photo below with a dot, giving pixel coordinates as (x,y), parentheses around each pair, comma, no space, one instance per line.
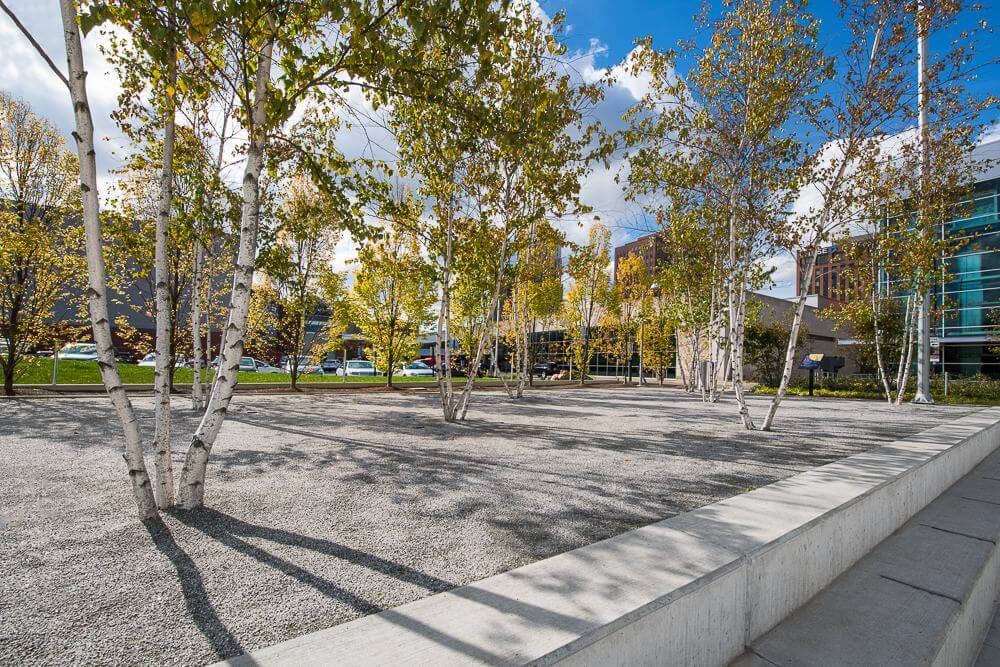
(39,242)
(323,50)
(391,298)
(720,133)
(295,255)
(851,125)
(75,81)
(147,61)
(658,335)
(588,294)
(627,304)
(535,298)
(519,151)
(903,183)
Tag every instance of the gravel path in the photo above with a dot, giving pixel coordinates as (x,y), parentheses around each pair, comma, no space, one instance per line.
(327,508)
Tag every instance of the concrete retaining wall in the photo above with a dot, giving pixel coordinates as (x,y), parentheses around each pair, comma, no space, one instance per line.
(692,590)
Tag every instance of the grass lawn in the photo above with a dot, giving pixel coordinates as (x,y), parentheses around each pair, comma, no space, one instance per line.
(39,371)
(951,399)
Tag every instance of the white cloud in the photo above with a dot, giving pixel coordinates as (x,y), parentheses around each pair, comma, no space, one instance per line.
(24,74)
(783,277)
(599,190)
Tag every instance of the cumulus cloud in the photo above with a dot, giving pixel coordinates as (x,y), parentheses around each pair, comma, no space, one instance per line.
(782,284)
(600,190)
(991,133)
(25,75)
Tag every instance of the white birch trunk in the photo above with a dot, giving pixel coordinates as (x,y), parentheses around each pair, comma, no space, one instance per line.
(737,312)
(793,335)
(494,304)
(525,354)
(192,482)
(910,344)
(738,328)
(442,351)
(877,335)
(161,374)
(196,351)
(904,346)
(679,361)
(142,488)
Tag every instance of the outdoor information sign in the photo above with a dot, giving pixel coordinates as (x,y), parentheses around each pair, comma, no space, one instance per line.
(811,362)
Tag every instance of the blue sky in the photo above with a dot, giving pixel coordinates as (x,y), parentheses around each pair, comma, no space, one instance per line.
(618,23)
(608,29)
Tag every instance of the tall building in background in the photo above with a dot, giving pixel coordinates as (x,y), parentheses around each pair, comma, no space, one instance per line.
(965,330)
(965,325)
(651,247)
(833,281)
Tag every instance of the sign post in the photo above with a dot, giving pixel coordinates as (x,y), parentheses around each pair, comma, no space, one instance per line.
(811,362)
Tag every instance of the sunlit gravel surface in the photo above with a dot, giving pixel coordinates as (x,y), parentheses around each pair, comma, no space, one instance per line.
(322,509)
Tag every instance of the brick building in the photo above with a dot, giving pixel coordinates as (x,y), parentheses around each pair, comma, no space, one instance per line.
(834,281)
(651,247)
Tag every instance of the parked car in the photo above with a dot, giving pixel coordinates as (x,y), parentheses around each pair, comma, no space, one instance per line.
(180,361)
(416,369)
(358,368)
(257,366)
(125,357)
(78,352)
(45,354)
(306,367)
(545,369)
(331,364)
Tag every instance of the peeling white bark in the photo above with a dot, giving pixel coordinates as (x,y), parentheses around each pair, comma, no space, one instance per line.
(161,374)
(196,350)
(192,482)
(800,306)
(142,488)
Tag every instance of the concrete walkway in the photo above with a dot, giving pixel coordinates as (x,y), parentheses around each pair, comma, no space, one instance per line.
(924,596)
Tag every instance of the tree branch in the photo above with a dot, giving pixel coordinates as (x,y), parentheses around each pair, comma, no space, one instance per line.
(34,43)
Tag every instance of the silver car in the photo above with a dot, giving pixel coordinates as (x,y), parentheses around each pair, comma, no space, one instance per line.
(257,366)
(416,369)
(305,367)
(358,368)
(78,352)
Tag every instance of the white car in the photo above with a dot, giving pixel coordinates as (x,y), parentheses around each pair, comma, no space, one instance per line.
(78,352)
(150,360)
(358,368)
(416,369)
(306,367)
(257,366)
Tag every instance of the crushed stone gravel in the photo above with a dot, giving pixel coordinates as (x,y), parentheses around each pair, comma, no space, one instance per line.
(321,509)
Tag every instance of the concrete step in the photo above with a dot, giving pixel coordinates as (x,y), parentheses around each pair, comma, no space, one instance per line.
(989,652)
(923,596)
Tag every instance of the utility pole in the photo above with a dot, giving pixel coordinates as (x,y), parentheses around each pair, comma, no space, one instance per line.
(923,394)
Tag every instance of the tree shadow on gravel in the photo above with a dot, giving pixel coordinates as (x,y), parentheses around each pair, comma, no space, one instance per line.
(230,531)
(223,642)
(233,533)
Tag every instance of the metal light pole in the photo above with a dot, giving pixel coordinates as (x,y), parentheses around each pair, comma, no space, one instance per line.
(923,394)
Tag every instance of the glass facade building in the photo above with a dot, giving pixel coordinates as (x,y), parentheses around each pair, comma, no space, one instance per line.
(967,298)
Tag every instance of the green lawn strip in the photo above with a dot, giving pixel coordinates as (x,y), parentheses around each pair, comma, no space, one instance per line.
(39,371)
(953,398)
